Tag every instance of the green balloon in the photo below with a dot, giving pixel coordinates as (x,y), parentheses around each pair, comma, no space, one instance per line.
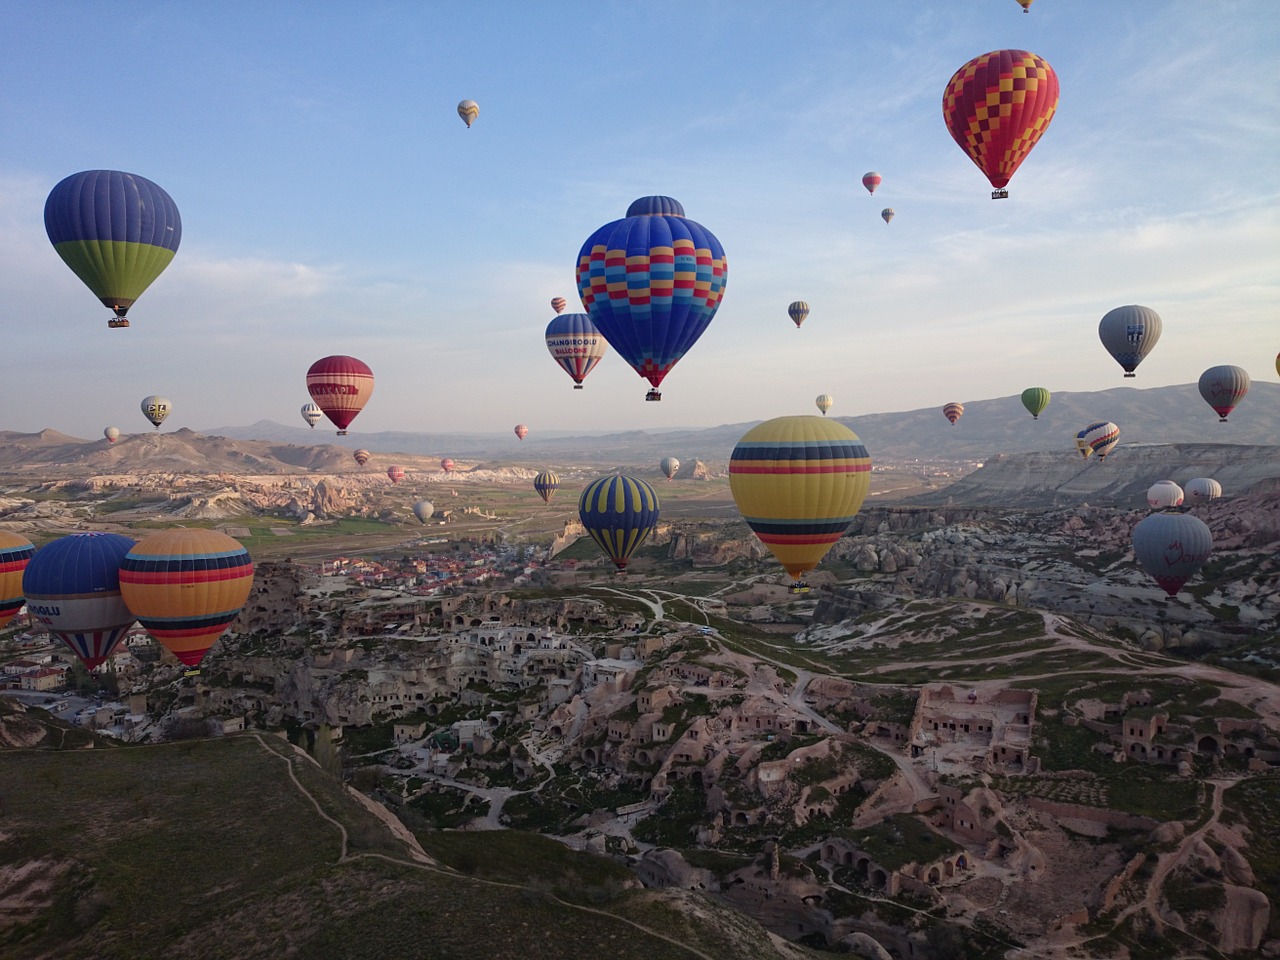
(1035,399)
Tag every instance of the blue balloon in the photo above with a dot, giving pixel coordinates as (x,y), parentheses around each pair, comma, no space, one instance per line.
(619,512)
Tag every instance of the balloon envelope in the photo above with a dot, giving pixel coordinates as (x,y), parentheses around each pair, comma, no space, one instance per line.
(558,304)
(619,513)
(311,414)
(651,283)
(423,510)
(15,552)
(1035,399)
(1223,387)
(1129,333)
(576,345)
(1100,437)
(797,312)
(117,231)
(824,402)
(156,408)
(996,108)
(1172,547)
(395,473)
(340,386)
(468,110)
(799,482)
(953,411)
(447,464)
(186,586)
(1164,494)
(1204,488)
(521,431)
(72,586)
(670,466)
(362,456)
(871,180)
(546,483)
(887,214)
(112,434)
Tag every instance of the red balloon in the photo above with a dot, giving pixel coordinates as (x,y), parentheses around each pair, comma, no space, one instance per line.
(340,386)
(521,431)
(447,464)
(395,473)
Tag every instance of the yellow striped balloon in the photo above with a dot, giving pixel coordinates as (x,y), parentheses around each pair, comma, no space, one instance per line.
(619,512)
(186,586)
(15,551)
(799,482)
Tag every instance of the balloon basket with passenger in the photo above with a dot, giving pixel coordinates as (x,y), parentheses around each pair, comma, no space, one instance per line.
(653,394)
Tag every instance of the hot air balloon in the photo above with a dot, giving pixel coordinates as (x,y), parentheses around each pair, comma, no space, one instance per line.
(1204,488)
(1129,334)
(871,180)
(396,473)
(117,231)
(546,483)
(112,434)
(521,431)
(799,482)
(1278,363)
(311,414)
(1223,387)
(362,456)
(576,345)
(15,553)
(468,110)
(670,466)
(996,108)
(447,465)
(1164,494)
(619,512)
(558,304)
(72,586)
(156,409)
(887,214)
(340,386)
(1101,437)
(1172,547)
(823,402)
(423,510)
(186,586)
(1035,399)
(953,412)
(797,312)
(651,283)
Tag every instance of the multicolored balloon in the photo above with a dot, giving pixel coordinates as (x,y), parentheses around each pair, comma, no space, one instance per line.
(362,456)
(447,464)
(1172,547)
(558,304)
(996,108)
(576,345)
(112,434)
(871,180)
(1164,495)
(468,110)
(72,586)
(619,513)
(1223,387)
(156,409)
(669,466)
(652,283)
(1035,399)
(340,386)
(887,214)
(311,414)
(521,431)
(117,231)
(824,402)
(15,552)
(1129,333)
(396,473)
(797,312)
(1100,437)
(953,412)
(423,510)
(546,484)
(799,482)
(186,586)
(1204,488)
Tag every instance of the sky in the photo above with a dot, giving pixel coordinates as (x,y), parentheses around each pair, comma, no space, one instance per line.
(333,202)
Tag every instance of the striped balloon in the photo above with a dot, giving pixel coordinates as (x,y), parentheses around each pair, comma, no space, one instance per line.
(1100,438)
(871,180)
(1223,387)
(953,411)
(468,110)
(72,586)
(15,552)
(558,304)
(186,586)
(799,482)
(887,214)
(824,402)
(546,483)
(1035,399)
(619,512)
(1204,488)
(798,311)
(362,456)
(340,386)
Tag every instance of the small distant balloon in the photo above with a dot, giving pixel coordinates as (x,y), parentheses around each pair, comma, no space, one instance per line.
(468,110)
(1172,547)
(1223,387)
(447,464)
(396,473)
(1204,488)
(953,411)
(546,483)
(1164,494)
(362,456)
(112,434)
(1035,399)
(823,402)
(871,180)
(887,214)
(1100,437)
(558,304)
(1129,333)
(670,466)
(797,312)
(423,510)
(521,431)
(156,409)
(311,414)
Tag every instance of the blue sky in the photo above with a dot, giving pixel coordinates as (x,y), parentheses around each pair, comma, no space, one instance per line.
(333,202)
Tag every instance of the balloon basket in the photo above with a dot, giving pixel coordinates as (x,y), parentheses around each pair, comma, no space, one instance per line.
(117,323)
(1000,194)
(653,394)
(1128,375)
(800,587)
(194,672)
(577,386)
(342,433)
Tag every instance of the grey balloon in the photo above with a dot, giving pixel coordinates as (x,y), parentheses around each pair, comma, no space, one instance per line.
(1223,387)
(1172,547)
(1129,334)
(423,510)
(156,409)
